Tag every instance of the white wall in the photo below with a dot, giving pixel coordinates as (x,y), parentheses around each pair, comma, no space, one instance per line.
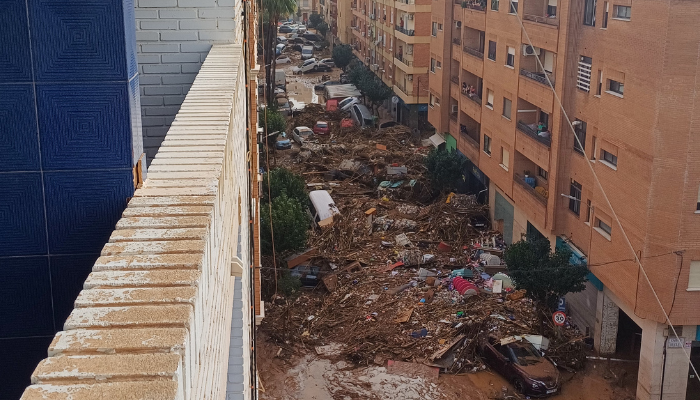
(173,38)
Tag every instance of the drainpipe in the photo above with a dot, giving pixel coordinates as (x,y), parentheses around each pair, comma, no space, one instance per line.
(251,225)
(663,371)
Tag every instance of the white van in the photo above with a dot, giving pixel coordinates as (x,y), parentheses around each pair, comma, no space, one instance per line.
(307,52)
(322,207)
(362,116)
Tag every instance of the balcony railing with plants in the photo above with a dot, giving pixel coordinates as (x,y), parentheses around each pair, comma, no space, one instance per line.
(474,52)
(537,76)
(539,192)
(533,133)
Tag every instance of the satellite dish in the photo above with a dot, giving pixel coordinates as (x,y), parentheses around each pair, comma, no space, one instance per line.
(395,100)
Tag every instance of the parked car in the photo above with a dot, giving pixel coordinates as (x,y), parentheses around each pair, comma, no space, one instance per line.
(290,107)
(306,66)
(301,28)
(307,52)
(308,274)
(285,29)
(322,68)
(344,79)
(322,85)
(362,116)
(328,61)
(322,206)
(300,134)
(522,364)
(298,40)
(312,37)
(283,60)
(347,103)
(281,40)
(321,128)
(283,142)
(279,49)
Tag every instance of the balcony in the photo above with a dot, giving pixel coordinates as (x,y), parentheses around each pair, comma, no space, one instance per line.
(405,59)
(457,41)
(407,2)
(469,132)
(473,52)
(541,20)
(473,5)
(538,192)
(538,76)
(407,32)
(531,130)
(455,80)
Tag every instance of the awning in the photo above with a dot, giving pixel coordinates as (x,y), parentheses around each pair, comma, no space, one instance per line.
(437,140)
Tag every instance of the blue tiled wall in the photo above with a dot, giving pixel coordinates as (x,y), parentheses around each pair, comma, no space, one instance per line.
(70,133)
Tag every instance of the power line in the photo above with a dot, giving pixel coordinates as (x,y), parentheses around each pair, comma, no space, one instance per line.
(607,200)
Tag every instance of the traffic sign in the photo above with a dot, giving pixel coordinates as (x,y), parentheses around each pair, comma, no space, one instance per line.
(559,318)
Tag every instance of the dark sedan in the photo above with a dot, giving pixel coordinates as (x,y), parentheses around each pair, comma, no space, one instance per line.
(522,364)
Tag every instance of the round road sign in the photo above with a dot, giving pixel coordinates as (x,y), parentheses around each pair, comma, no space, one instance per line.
(559,318)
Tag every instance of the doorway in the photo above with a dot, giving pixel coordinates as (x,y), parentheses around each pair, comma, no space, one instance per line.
(693,389)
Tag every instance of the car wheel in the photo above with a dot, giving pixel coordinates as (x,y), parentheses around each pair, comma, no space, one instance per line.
(315,68)
(519,385)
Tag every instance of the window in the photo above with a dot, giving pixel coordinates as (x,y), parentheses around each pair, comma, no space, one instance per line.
(391,16)
(506,107)
(600,83)
(542,173)
(603,226)
(438,64)
(434,30)
(622,12)
(552,8)
(432,100)
(606,8)
(694,278)
(510,57)
(489,99)
(492,50)
(439,27)
(589,12)
(580,134)
(588,211)
(513,6)
(594,144)
(608,157)
(575,197)
(494,5)
(616,87)
(697,209)
(583,81)
(432,65)
(487,145)
(505,158)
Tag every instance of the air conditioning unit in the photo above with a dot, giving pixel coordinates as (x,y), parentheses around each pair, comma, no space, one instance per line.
(530,51)
(410,77)
(374,67)
(458,24)
(409,49)
(371,16)
(363,34)
(410,17)
(454,108)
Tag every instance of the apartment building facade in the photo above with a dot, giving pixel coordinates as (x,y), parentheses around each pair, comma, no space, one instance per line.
(393,39)
(501,70)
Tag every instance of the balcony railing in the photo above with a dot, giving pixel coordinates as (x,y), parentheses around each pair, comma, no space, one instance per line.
(409,32)
(474,52)
(473,97)
(454,80)
(537,76)
(474,5)
(539,194)
(453,116)
(353,6)
(541,20)
(402,87)
(406,1)
(457,41)
(403,59)
(465,134)
(528,130)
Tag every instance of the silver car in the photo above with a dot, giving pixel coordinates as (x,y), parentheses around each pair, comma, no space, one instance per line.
(300,134)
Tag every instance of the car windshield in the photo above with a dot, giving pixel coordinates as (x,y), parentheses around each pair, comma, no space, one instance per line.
(344,102)
(525,354)
(322,125)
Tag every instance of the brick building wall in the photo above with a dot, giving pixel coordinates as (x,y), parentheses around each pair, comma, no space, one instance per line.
(173,39)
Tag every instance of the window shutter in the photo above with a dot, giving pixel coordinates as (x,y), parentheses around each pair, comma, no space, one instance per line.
(511,51)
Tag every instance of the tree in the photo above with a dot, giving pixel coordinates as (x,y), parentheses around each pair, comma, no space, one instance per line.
(290,224)
(357,73)
(322,28)
(285,182)
(272,121)
(342,55)
(272,11)
(375,90)
(444,169)
(314,19)
(545,275)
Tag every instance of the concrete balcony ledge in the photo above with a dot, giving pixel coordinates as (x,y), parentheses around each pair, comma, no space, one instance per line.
(157,313)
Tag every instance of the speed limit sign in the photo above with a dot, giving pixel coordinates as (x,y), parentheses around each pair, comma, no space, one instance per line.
(559,318)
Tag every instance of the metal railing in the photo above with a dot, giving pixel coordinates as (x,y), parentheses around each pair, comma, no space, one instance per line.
(406,1)
(536,76)
(455,80)
(408,32)
(402,88)
(526,129)
(473,5)
(541,20)
(476,99)
(474,52)
(404,60)
(521,181)
(457,41)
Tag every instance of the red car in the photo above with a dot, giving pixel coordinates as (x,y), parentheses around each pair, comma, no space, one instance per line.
(523,365)
(321,128)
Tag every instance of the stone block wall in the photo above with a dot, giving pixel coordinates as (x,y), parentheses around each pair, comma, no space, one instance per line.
(155,316)
(174,37)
